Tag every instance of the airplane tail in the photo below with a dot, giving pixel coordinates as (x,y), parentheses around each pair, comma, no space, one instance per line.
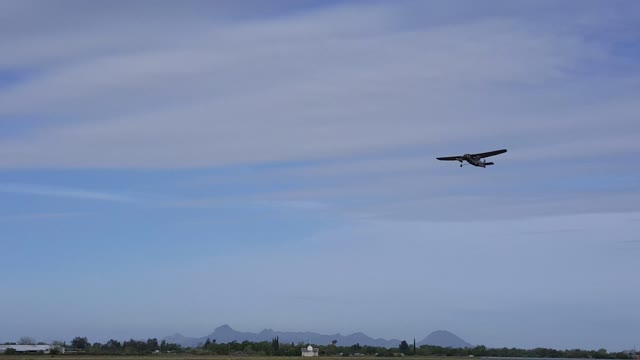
(487,164)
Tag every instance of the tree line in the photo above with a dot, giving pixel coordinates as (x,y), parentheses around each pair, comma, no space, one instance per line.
(111,347)
(276,348)
(480,351)
(130,347)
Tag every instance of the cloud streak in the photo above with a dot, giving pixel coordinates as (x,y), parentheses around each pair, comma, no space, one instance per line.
(292,89)
(63,192)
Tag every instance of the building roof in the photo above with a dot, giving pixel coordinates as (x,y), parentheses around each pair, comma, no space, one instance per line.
(26,347)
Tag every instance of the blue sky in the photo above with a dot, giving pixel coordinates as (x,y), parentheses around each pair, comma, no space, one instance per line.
(160,165)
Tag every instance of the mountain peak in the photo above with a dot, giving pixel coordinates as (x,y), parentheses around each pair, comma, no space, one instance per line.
(444,338)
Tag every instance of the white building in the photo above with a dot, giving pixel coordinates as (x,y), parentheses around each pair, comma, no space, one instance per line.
(310,351)
(30,348)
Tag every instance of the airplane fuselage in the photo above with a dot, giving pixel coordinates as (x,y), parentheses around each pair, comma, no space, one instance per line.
(474,161)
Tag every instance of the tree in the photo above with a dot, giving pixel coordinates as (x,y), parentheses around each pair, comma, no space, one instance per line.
(479,350)
(25,340)
(334,342)
(80,343)
(152,344)
(113,345)
(10,351)
(404,347)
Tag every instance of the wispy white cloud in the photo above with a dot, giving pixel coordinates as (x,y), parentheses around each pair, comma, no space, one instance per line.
(292,88)
(378,81)
(63,192)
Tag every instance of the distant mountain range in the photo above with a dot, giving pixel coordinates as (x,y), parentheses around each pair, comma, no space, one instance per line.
(225,334)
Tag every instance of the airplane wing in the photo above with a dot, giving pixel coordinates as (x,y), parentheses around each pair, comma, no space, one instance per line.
(449,158)
(490,153)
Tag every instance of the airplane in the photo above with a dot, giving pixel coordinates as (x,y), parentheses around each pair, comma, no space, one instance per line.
(474,159)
